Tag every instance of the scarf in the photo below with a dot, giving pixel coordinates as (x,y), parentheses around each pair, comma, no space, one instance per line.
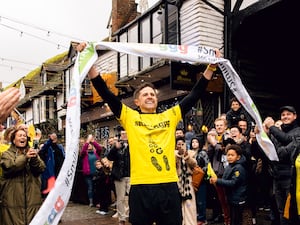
(184,183)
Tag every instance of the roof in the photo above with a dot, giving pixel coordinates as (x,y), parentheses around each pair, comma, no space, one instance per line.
(51,63)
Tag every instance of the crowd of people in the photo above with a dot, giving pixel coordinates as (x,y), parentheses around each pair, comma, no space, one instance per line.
(149,166)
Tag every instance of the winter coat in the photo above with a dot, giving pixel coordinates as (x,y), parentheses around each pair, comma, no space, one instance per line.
(250,164)
(85,157)
(200,154)
(233,117)
(53,158)
(234,180)
(216,154)
(294,214)
(283,141)
(291,210)
(121,161)
(20,192)
(202,159)
(184,166)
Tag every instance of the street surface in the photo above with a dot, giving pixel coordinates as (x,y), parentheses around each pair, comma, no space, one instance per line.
(80,214)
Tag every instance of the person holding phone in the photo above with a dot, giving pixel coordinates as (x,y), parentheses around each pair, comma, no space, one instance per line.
(185,162)
(20,194)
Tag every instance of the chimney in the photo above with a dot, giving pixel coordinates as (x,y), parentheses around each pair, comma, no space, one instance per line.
(123,12)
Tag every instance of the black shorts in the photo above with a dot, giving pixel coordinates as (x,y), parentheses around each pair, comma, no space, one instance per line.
(159,203)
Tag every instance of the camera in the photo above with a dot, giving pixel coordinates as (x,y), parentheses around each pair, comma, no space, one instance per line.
(118,130)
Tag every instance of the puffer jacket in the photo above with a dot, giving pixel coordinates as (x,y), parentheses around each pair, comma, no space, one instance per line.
(234,180)
(215,154)
(53,158)
(20,191)
(284,145)
(121,161)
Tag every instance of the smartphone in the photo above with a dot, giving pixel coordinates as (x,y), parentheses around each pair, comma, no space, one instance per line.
(35,144)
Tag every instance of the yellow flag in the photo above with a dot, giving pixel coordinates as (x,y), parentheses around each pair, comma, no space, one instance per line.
(31,134)
(3,148)
(210,171)
(286,212)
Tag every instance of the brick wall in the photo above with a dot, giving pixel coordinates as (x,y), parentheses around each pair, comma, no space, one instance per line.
(123,11)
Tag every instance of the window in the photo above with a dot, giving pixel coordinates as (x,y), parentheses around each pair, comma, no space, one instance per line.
(42,109)
(86,85)
(157,27)
(123,58)
(133,61)
(152,27)
(35,109)
(145,38)
(172,25)
(160,25)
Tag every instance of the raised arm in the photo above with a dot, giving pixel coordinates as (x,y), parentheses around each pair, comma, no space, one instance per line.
(99,84)
(199,88)
(8,101)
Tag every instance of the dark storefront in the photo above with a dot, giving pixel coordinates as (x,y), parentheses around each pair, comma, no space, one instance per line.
(264,52)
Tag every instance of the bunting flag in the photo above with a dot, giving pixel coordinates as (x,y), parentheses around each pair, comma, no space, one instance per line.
(22,90)
(31,131)
(56,201)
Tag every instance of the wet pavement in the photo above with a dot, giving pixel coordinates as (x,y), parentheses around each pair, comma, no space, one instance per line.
(80,214)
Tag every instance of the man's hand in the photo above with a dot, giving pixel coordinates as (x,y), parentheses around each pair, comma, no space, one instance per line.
(81,46)
(8,101)
(213,180)
(208,73)
(31,153)
(268,123)
(90,138)
(92,72)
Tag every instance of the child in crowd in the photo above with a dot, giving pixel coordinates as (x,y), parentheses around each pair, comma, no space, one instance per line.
(102,188)
(234,180)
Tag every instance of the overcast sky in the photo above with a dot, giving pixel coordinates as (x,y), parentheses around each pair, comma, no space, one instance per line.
(32,31)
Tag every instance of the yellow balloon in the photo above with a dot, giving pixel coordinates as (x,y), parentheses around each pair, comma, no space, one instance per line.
(3,148)
(204,129)
(31,131)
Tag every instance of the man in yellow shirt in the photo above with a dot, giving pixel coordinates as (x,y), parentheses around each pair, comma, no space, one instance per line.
(154,195)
